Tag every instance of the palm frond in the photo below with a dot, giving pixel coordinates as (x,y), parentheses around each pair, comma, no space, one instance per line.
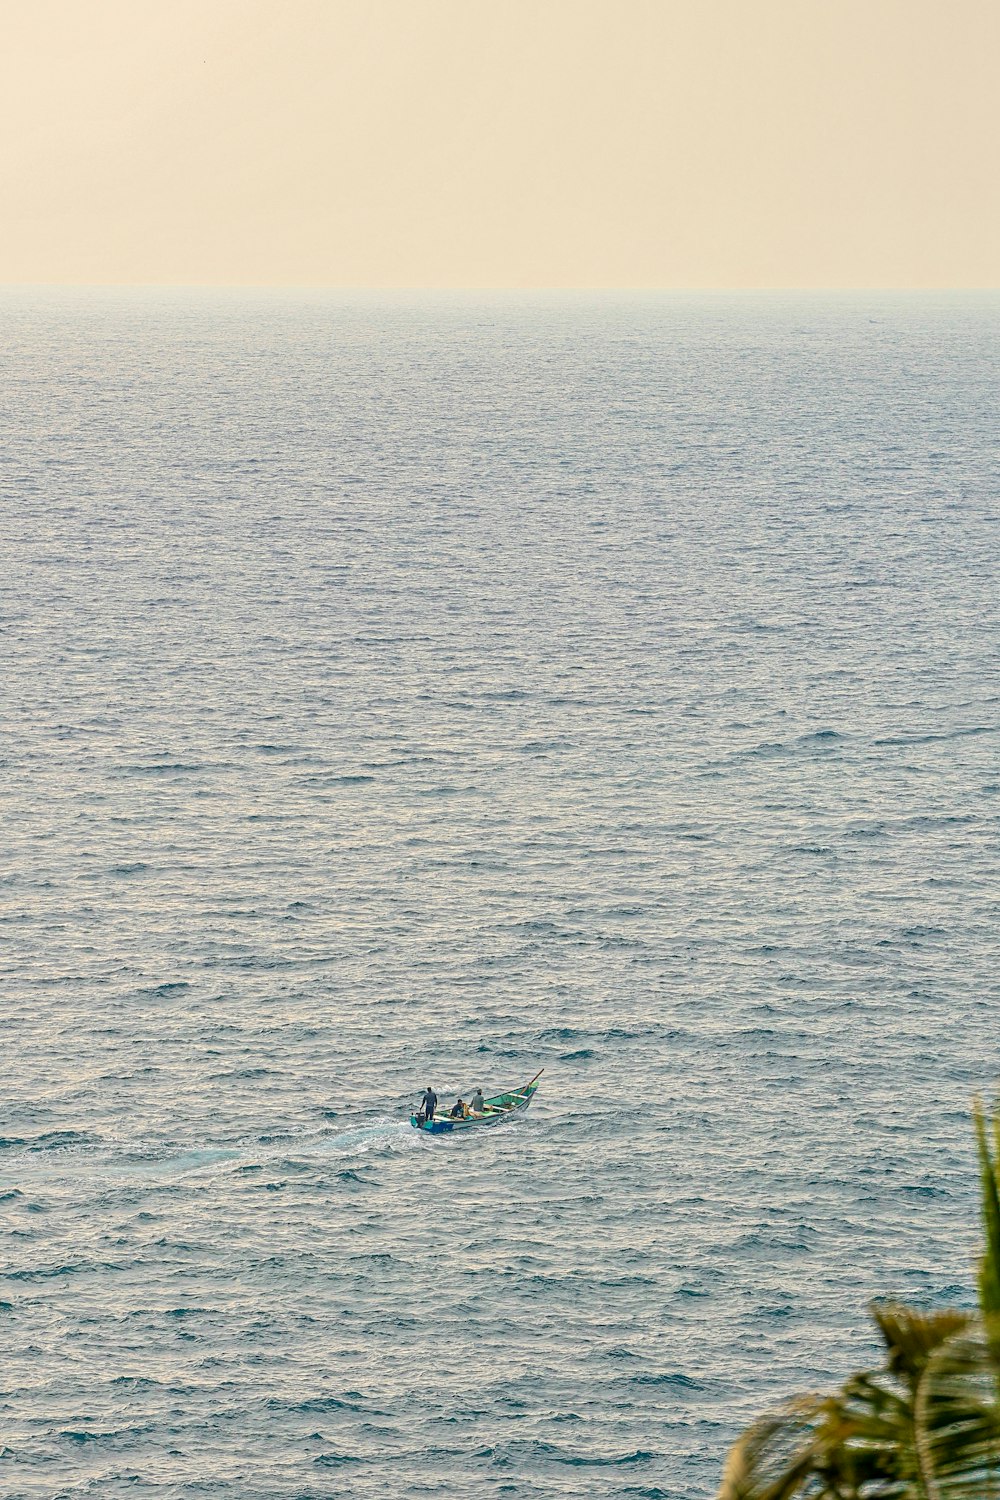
(911,1336)
(925,1426)
(957,1417)
(867,1442)
(775,1458)
(989,1166)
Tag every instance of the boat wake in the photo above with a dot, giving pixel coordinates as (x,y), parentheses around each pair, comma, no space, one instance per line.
(123,1163)
(376,1137)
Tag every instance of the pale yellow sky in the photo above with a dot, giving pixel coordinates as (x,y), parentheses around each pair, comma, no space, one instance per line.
(501,143)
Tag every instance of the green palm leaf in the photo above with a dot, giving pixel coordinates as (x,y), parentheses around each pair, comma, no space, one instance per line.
(775,1459)
(957,1418)
(924,1426)
(989,1166)
(867,1442)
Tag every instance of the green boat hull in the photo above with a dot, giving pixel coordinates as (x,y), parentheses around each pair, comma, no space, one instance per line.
(498,1107)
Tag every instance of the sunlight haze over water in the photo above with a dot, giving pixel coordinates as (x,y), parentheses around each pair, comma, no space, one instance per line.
(468,143)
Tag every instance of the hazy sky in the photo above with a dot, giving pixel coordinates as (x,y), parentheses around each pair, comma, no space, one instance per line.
(496,143)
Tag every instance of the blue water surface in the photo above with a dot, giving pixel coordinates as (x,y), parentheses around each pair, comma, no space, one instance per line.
(400,691)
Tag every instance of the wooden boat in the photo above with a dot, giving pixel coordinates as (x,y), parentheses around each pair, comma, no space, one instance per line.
(498,1107)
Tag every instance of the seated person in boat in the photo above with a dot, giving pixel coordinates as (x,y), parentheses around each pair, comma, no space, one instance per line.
(476,1102)
(460,1110)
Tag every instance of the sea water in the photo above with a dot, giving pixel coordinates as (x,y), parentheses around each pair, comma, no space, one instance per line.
(403,691)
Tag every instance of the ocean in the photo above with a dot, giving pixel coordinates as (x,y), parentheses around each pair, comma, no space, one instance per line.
(406,690)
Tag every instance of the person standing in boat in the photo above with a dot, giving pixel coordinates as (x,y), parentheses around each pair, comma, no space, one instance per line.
(476,1103)
(428,1104)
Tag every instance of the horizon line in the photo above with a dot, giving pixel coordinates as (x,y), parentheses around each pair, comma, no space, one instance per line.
(497,290)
